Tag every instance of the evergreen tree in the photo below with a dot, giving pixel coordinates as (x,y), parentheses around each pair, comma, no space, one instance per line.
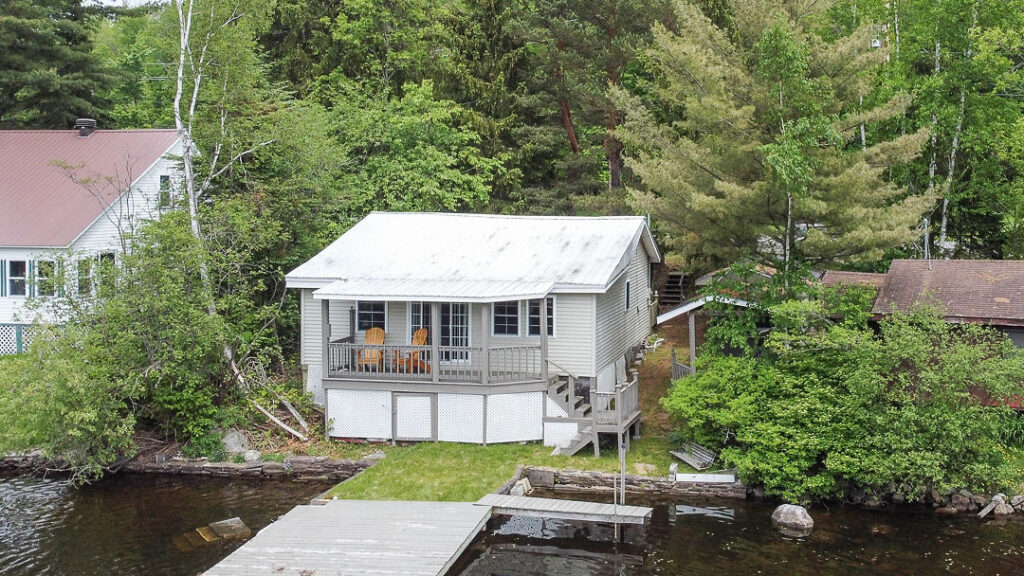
(48,75)
(749,140)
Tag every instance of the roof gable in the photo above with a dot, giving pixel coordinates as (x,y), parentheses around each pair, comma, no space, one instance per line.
(40,204)
(468,253)
(979,290)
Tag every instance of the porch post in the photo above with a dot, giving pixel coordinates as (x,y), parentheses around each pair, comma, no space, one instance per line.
(543,303)
(435,339)
(693,344)
(325,327)
(485,320)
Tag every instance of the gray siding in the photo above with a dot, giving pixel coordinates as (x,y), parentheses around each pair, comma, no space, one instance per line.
(619,329)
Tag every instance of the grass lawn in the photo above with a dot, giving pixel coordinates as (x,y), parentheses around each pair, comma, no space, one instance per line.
(465,472)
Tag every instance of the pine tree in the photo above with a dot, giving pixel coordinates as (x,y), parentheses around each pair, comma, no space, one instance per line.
(749,140)
(48,75)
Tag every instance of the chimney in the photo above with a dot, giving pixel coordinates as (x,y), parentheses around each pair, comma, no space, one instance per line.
(85,126)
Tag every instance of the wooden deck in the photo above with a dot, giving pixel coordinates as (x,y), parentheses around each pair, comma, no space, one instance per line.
(353,537)
(349,537)
(564,509)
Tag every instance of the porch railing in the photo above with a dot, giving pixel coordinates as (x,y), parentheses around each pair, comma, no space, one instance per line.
(453,364)
(617,406)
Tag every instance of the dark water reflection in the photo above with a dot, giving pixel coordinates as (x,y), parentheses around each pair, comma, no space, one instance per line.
(127,524)
(733,539)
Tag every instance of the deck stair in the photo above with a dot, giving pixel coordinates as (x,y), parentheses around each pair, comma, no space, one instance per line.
(576,443)
(671,293)
(697,456)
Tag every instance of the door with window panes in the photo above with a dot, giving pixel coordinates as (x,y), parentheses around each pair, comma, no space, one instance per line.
(454,328)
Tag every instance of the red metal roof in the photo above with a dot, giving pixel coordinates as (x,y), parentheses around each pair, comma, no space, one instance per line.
(41,205)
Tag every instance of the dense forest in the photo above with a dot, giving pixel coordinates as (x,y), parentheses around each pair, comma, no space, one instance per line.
(834,134)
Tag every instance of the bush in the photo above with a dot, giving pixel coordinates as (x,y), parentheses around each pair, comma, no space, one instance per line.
(828,408)
(207,445)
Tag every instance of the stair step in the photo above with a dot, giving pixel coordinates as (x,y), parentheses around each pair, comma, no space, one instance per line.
(577,443)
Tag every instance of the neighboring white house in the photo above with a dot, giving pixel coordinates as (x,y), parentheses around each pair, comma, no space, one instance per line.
(71,196)
(500,370)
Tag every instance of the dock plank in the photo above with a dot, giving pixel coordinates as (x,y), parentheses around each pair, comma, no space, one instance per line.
(351,537)
(565,509)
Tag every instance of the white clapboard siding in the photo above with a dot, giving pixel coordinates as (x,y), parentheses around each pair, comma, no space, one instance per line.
(619,329)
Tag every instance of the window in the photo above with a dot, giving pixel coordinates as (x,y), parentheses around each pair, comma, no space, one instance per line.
(419,317)
(506,318)
(534,317)
(165,191)
(371,315)
(628,295)
(46,283)
(85,277)
(107,271)
(17,277)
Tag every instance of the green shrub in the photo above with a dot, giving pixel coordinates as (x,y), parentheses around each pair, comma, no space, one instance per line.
(827,408)
(207,445)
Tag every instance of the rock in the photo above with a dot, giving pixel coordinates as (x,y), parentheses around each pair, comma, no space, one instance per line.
(1017,501)
(792,520)
(873,503)
(960,501)
(980,500)
(251,455)
(898,498)
(935,496)
(235,441)
(1002,509)
(947,511)
(999,497)
(375,456)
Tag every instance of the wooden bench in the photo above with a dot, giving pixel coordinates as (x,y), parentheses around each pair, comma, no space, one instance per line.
(697,456)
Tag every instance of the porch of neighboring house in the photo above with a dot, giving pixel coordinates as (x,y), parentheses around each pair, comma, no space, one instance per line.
(489,369)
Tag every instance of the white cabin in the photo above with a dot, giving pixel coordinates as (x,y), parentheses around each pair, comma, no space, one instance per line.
(69,197)
(500,371)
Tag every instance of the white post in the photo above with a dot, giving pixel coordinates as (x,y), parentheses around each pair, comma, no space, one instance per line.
(693,344)
(435,340)
(543,304)
(325,328)
(485,320)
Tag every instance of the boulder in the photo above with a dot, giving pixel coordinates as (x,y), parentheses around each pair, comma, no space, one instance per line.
(980,500)
(235,441)
(792,520)
(961,501)
(251,455)
(1017,501)
(1002,509)
(946,510)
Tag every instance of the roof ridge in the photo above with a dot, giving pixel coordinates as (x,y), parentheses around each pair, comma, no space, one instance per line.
(508,216)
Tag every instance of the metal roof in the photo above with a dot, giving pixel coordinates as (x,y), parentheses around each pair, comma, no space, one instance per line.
(473,257)
(40,204)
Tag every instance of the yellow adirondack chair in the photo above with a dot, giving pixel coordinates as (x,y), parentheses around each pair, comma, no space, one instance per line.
(412,361)
(372,354)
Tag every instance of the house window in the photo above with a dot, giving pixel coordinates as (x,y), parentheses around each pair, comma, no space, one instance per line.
(371,315)
(17,276)
(106,271)
(165,191)
(85,277)
(46,283)
(419,317)
(628,294)
(534,317)
(506,318)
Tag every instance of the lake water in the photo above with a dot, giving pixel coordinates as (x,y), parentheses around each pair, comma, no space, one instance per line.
(130,524)
(721,538)
(133,524)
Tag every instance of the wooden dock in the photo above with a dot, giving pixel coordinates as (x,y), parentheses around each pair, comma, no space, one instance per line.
(351,537)
(354,537)
(565,509)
